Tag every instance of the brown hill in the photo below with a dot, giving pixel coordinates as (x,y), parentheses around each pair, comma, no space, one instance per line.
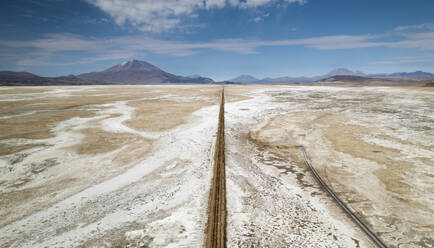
(139,72)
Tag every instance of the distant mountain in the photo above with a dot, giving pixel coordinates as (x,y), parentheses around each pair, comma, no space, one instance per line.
(244,79)
(249,79)
(344,72)
(139,72)
(29,79)
(12,75)
(350,80)
(199,77)
(129,72)
(194,76)
(287,80)
(417,76)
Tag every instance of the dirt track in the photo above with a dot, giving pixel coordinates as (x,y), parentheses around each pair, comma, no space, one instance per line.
(342,205)
(216,229)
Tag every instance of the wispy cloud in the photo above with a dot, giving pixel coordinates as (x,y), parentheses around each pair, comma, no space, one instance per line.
(406,60)
(261,17)
(429,26)
(51,47)
(158,16)
(420,40)
(55,44)
(47,60)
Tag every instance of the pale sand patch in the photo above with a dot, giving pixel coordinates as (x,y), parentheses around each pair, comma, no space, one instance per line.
(74,137)
(373,145)
(273,201)
(165,192)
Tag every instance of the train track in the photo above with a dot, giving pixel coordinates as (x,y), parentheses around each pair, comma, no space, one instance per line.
(216,228)
(372,236)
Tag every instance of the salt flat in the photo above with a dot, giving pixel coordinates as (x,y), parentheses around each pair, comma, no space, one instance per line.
(78,169)
(372,145)
(131,166)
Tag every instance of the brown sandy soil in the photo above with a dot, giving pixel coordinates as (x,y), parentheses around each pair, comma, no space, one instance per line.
(72,170)
(55,141)
(21,90)
(401,202)
(91,144)
(273,201)
(373,146)
(147,114)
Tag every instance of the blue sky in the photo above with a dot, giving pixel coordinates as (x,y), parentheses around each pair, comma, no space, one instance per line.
(218,38)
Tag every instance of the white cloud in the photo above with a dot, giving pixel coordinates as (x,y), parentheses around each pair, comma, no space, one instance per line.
(162,15)
(429,26)
(406,60)
(54,43)
(329,42)
(87,60)
(258,3)
(51,47)
(422,41)
(253,3)
(148,15)
(260,17)
(301,2)
(215,3)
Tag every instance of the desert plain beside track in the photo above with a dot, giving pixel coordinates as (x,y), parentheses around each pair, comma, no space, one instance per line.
(131,166)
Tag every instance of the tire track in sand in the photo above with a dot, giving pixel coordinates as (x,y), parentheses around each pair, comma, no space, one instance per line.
(372,236)
(216,226)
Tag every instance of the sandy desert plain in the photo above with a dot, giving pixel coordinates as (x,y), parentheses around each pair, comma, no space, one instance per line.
(131,166)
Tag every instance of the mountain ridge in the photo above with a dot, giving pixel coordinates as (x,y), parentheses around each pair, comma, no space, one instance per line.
(415,76)
(128,72)
(139,72)
(142,72)
(11,78)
